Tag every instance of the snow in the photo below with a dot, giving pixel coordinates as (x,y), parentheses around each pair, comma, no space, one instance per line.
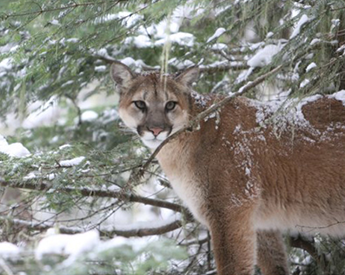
(219,47)
(135,64)
(42,114)
(165,30)
(264,56)
(3,141)
(304,19)
(101,68)
(304,83)
(216,35)
(89,115)
(216,64)
(341,49)
(180,64)
(6,64)
(110,115)
(69,82)
(339,96)
(269,34)
(17,150)
(65,146)
(55,22)
(30,176)
(13,150)
(199,99)
(8,250)
(72,162)
(181,38)
(140,41)
(102,53)
(72,40)
(127,18)
(315,41)
(335,23)
(70,245)
(244,75)
(51,176)
(290,111)
(10,47)
(310,67)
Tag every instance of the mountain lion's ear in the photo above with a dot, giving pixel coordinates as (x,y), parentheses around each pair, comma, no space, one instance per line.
(189,76)
(122,75)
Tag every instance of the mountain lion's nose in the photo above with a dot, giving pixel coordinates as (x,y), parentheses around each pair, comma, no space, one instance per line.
(155,130)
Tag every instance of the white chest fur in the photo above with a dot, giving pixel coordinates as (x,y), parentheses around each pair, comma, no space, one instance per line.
(181,176)
(191,195)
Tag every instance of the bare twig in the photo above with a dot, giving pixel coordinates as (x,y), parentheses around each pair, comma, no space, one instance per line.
(194,122)
(133,232)
(5,267)
(95,192)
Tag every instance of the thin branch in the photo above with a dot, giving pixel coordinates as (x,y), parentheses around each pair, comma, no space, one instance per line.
(110,60)
(211,68)
(224,66)
(5,267)
(308,246)
(95,192)
(41,11)
(133,232)
(194,122)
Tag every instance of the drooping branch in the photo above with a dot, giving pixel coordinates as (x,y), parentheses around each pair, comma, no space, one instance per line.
(140,231)
(94,192)
(41,10)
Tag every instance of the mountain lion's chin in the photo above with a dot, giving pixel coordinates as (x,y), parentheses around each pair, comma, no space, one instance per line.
(152,143)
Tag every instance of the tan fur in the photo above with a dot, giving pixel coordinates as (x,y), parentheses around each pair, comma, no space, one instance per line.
(245,181)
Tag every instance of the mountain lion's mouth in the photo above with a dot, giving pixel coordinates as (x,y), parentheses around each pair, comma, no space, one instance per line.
(152,141)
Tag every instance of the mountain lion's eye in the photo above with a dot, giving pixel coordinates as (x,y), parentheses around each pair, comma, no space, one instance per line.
(170,105)
(140,104)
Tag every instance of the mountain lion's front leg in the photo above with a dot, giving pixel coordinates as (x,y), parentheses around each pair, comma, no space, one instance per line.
(234,239)
(271,253)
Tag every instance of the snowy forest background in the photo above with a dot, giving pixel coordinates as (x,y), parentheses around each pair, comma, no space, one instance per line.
(70,195)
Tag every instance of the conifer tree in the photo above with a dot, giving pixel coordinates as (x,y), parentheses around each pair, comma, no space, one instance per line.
(82,167)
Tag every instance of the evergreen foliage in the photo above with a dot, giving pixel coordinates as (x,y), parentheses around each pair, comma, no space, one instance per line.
(57,53)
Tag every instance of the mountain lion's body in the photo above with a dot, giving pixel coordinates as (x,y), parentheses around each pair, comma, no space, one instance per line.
(245,181)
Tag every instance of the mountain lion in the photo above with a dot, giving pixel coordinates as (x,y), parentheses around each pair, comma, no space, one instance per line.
(246,180)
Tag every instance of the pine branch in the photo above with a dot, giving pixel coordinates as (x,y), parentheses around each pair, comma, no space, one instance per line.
(47,10)
(133,232)
(224,66)
(95,192)
(210,68)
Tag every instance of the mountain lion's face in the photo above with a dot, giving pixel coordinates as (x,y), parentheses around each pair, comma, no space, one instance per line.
(152,106)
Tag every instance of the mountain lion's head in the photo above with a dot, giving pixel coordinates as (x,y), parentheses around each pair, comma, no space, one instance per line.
(153,105)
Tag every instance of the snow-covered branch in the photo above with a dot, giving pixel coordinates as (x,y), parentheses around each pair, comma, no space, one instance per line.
(223,66)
